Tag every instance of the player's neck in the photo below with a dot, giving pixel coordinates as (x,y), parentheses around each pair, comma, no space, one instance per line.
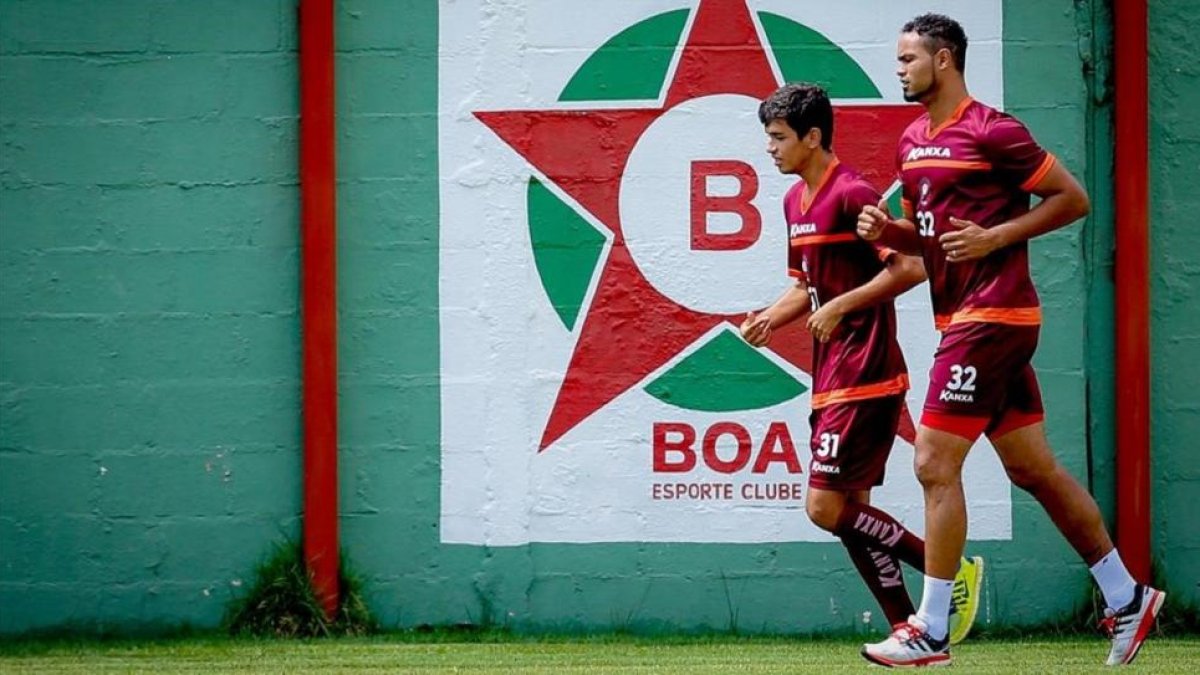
(815,171)
(942,106)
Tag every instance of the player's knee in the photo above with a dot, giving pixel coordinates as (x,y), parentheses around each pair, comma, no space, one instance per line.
(934,470)
(823,510)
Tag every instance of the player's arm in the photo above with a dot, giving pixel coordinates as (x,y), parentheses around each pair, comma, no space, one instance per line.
(1015,154)
(794,303)
(901,273)
(877,225)
(1063,202)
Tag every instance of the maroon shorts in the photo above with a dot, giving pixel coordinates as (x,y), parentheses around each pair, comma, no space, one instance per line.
(981,381)
(851,443)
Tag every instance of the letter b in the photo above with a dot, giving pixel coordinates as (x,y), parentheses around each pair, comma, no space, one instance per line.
(681,445)
(703,204)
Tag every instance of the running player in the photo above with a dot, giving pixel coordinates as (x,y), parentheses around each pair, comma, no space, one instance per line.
(859,376)
(967,172)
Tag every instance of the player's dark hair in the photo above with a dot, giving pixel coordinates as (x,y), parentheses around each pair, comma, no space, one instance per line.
(803,106)
(941,32)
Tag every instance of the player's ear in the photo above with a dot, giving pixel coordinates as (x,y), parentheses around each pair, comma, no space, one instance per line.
(813,137)
(944,58)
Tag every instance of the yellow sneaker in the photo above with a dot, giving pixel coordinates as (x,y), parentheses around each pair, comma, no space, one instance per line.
(967,594)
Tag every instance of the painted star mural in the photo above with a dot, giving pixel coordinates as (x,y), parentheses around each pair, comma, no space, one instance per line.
(631,328)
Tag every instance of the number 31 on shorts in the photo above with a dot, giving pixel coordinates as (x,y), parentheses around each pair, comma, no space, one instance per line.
(829,445)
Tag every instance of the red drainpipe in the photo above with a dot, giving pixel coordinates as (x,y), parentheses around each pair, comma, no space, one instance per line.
(318,216)
(1131,185)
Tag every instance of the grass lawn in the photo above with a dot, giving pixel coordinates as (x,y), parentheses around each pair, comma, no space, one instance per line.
(519,654)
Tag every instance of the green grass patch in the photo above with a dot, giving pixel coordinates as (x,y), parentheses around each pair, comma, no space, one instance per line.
(497,651)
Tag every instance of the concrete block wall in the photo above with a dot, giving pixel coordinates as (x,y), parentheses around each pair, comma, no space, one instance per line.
(1174,295)
(149,364)
(388,294)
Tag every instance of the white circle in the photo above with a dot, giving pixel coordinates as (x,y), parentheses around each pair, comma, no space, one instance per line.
(656,204)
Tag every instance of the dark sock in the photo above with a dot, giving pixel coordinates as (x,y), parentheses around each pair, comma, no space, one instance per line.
(871,528)
(882,573)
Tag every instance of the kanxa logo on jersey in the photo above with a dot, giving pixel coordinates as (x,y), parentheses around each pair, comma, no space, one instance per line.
(927,152)
(594,384)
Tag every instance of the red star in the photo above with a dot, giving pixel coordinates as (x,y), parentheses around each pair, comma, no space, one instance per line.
(631,329)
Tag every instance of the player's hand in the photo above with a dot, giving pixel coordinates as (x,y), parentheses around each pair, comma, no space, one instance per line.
(756,329)
(823,322)
(969,242)
(873,220)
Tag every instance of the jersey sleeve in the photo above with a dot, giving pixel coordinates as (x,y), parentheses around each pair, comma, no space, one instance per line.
(1014,153)
(858,194)
(884,253)
(795,265)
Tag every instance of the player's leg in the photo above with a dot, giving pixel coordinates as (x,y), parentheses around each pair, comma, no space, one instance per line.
(940,455)
(879,569)
(939,460)
(957,407)
(1031,465)
(850,446)
(865,431)
(925,639)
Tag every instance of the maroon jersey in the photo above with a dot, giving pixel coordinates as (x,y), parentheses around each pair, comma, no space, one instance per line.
(863,359)
(978,165)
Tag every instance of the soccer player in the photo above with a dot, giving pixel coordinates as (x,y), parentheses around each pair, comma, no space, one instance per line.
(967,172)
(859,376)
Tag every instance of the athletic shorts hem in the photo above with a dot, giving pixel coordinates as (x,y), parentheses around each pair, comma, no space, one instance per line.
(1014,420)
(969,427)
(836,486)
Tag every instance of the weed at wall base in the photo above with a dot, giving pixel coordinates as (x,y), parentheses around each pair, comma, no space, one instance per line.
(281,602)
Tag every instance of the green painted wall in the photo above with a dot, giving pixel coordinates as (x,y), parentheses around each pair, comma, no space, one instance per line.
(149,351)
(149,363)
(388,293)
(1175,292)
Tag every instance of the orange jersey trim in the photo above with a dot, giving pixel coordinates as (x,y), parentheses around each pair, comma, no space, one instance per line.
(954,117)
(896,385)
(1038,175)
(1012,316)
(884,253)
(806,199)
(907,208)
(792,272)
(811,239)
(946,164)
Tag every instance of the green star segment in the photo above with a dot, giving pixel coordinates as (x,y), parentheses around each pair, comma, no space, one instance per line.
(723,375)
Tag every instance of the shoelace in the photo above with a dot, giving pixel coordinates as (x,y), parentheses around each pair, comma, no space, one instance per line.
(958,595)
(1114,622)
(909,635)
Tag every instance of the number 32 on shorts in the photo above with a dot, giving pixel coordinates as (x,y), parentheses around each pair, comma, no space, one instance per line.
(962,378)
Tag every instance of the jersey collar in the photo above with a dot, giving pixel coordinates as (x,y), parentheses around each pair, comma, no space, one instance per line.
(954,117)
(806,198)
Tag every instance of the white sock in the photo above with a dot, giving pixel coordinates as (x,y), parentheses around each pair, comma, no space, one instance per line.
(1114,580)
(935,606)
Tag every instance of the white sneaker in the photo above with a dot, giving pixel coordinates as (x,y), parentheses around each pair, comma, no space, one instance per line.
(909,646)
(1129,626)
